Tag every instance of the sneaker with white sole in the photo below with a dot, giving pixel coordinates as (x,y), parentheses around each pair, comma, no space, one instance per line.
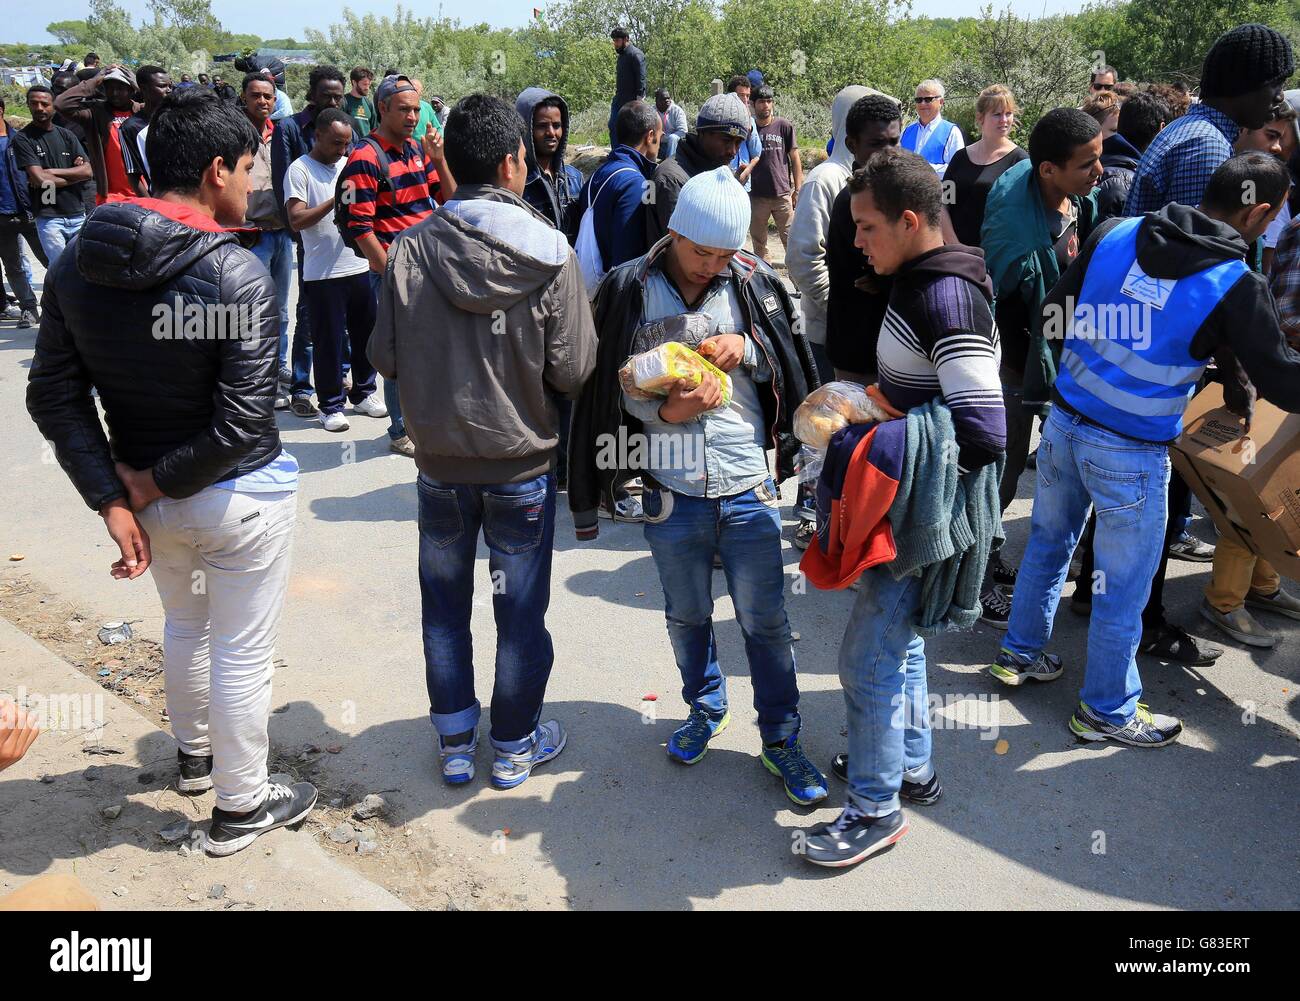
(511,769)
(1191,549)
(995,608)
(371,406)
(1145,729)
(1279,602)
(1240,625)
(283,805)
(852,837)
(1013,669)
(302,406)
(457,761)
(804,533)
(334,422)
(195,772)
(402,446)
(626,509)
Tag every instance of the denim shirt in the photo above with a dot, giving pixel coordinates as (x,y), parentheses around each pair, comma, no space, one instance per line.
(722,452)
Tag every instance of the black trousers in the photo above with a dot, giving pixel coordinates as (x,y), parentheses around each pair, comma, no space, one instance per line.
(12,230)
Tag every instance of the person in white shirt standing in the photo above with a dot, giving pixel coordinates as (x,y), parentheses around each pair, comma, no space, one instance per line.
(336,281)
(932,136)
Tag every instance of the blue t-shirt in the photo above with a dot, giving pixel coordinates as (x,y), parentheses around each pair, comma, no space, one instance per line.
(8,200)
(280,475)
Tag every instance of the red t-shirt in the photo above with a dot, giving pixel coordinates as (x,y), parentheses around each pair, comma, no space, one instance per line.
(119,185)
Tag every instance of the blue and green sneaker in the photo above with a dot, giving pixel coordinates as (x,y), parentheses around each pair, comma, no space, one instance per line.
(804,784)
(691,741)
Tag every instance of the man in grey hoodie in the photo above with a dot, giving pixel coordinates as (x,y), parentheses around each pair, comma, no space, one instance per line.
(484,318)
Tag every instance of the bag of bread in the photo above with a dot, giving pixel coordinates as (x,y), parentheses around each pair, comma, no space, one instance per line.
(833,406)
(651,374)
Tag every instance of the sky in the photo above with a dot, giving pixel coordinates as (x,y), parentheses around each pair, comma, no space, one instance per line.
(287,18)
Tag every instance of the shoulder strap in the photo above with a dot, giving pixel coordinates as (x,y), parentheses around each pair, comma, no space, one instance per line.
(385,162)
(621,170)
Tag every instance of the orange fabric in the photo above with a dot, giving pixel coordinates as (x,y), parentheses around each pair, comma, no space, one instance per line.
(876,394)
(860,536)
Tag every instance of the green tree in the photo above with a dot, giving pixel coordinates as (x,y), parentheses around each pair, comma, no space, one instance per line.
(68,32)
(1166,40)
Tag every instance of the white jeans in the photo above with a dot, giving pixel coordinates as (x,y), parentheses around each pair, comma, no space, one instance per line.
(221,564)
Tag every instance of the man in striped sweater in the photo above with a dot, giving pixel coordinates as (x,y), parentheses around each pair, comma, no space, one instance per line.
(938,340)
(387,202)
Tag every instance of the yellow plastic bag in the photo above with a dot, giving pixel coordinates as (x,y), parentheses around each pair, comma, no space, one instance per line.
(653,373)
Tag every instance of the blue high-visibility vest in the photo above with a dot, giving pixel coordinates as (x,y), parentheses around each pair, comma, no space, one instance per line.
(934,147)
(1126,361)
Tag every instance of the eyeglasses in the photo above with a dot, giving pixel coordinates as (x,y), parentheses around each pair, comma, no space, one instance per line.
(926,100)
(1103,86)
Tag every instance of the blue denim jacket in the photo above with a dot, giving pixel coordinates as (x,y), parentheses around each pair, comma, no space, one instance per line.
(720,453)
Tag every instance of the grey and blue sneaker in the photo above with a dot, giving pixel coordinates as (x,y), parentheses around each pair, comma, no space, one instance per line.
(457,761)
(1145,729)
(512,769)
(1013,669)
(852,837)
(804,784)
(691,740)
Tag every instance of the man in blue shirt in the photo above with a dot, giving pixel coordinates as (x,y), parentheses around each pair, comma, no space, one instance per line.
(15,222)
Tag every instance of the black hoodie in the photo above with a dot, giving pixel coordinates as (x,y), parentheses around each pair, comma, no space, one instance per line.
(554,195)
(938,339)
(1242,330)
(175,324)
(670,177)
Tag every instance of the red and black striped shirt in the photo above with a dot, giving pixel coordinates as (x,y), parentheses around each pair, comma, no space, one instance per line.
(409,196)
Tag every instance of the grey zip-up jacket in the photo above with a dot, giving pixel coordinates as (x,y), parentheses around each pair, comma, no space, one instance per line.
(483,318)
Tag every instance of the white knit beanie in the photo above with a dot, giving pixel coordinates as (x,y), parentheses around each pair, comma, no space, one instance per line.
(712,210)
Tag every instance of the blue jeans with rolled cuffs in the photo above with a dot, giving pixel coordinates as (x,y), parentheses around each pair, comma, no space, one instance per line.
(745,529)
(518,524)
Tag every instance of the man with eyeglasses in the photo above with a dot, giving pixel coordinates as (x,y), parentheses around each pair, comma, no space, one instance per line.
(932,136)
(1103,78)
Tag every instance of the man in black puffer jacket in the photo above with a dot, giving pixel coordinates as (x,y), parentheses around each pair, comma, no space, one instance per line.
(156,305)
(1141,117)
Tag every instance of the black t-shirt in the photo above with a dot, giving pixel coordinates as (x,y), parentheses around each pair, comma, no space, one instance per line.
(53,150)
(969,190)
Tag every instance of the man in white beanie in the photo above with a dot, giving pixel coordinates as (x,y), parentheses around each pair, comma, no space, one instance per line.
(703,457)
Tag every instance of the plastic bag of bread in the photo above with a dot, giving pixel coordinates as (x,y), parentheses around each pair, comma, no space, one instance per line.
(833,406)
(651,374)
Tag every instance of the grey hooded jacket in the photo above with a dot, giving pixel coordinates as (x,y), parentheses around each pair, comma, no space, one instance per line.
(483,318)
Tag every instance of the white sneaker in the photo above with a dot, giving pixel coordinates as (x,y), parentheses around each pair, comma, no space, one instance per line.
(371,406)
(334,422)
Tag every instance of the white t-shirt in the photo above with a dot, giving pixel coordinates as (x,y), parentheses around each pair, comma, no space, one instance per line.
(324,255)
(1275,228)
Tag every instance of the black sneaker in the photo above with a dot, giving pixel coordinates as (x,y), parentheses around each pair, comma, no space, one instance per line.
(804,534)
(28,318)
(996,608)
(284,805)
(1004,576)
(924,793)
(302,406)
(196,772)
(1176,644)
(852,837)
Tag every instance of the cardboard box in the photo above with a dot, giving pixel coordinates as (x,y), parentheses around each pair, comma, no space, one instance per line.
(1250,484)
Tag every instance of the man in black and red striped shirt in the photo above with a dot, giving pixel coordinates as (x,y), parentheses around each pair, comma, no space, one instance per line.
(386,203)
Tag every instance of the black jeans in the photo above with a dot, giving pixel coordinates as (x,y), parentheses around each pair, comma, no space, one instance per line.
(341,311)
(12,228)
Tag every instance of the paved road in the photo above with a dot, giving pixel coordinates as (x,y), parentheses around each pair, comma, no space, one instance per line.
(612,823)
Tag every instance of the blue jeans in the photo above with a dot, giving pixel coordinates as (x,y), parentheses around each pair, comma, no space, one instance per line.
(882,672)
(518,523)
(55,231)
(683,534)
(274,248)
(1080,465)
(396,426)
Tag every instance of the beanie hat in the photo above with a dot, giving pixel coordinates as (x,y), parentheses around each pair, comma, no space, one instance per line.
(712,210)
(723,113)
(1244,59)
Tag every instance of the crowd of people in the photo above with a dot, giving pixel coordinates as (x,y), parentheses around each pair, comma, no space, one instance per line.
(454,251)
